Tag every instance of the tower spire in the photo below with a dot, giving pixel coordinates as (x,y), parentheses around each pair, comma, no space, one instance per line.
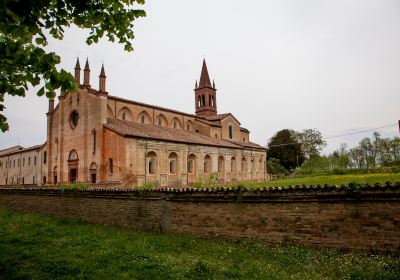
(205,95)
(77,71)
(102,79)
(204,77)
(86,74)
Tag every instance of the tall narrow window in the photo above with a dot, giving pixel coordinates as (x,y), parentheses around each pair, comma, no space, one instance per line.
(233,164)
(110,165)
(44,157)
(230,130)
(123,116)
(56,142)
(221,164)
(142,118)
(34,162)
(93,142)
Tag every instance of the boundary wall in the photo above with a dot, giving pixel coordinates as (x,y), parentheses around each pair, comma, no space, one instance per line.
(352,217)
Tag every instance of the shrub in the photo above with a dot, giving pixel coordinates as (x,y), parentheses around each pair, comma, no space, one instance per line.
(74,186)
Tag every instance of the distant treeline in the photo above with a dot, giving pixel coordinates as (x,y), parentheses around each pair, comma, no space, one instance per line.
(372,155)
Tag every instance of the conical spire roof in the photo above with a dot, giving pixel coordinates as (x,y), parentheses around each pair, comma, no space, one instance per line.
(87,65)
(102,72)
(77,65)
(204,77)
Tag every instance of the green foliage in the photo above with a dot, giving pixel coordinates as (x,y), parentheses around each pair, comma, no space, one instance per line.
(274,167)
(148,186)
(40,247)
(23,25)
(377,155)
(285,147)
(198,184)
(212,180)
(74,186)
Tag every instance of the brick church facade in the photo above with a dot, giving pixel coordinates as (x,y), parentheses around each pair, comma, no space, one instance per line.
(98,138)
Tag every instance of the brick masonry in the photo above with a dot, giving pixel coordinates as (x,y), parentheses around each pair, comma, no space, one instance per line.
(365,218)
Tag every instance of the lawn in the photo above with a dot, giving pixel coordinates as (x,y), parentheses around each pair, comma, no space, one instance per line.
(39,247)
(329,179)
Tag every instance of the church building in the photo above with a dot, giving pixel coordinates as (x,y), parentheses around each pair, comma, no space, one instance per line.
(94,137)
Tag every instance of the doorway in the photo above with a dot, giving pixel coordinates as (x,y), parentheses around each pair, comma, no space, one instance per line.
(73,175)
(93,178)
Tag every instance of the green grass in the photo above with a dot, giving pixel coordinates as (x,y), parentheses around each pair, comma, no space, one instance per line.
(39,247)
(329,179)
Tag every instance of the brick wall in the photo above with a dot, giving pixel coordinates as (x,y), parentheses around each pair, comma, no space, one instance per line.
(365,218)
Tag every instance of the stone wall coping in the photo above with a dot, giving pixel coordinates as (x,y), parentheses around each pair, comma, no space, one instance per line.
(296,189)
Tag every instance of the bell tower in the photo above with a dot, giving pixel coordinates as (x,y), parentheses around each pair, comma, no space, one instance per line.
(205,94)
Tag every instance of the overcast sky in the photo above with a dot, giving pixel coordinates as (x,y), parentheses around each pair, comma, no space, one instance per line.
(329,65)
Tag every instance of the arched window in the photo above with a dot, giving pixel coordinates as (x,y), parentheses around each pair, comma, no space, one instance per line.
(189,125)
(207,164)
(191,163)
(151,160)
(93,142)
(44,157)
(145,117)
(221,164)
(203,99)
(123,116)
(212,100)
(173,163)
(73,155)
(233,164)
(244,165)
(162,121)
(199,101)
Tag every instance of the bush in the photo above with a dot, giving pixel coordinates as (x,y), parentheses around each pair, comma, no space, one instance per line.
(148,186)
(74,186)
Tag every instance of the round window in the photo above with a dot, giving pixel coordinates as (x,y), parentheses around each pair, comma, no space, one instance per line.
(73,119)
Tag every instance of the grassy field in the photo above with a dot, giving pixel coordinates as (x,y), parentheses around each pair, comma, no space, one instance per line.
(39,247)
(330,179)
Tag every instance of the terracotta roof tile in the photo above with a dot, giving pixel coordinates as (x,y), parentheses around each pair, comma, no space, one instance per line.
(150,131)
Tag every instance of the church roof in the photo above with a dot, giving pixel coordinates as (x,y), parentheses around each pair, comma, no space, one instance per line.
(220,117)
(150,131)
(18,149)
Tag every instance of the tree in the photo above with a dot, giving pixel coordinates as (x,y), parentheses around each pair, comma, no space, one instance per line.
(311,143)
(285,147)
(23,25)
(274,167)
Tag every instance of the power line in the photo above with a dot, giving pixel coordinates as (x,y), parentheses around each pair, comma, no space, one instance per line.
(340,135)
(361,131)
